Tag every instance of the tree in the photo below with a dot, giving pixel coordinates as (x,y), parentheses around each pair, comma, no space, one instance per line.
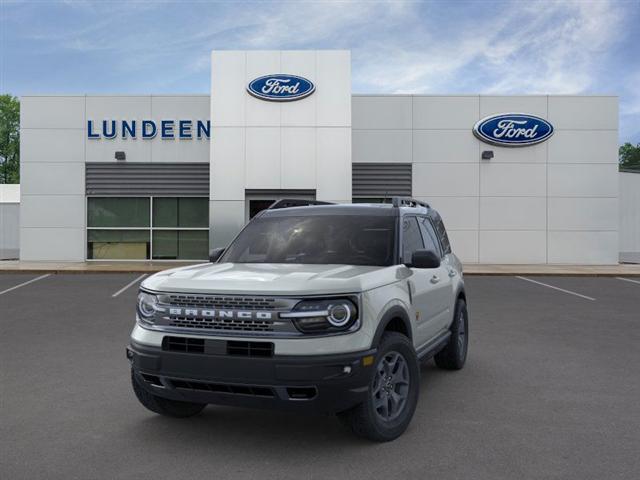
(629,156)
(9,139)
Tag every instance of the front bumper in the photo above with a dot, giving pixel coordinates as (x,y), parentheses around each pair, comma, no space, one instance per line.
(316,383)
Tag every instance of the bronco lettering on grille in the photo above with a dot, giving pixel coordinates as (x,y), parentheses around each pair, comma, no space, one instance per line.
(233,314)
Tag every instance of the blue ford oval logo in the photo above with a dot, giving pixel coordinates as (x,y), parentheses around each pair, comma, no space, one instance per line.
(281,87)
(513,129)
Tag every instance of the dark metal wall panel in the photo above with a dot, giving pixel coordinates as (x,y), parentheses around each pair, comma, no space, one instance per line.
(278,193)
(159,179)
(381,179)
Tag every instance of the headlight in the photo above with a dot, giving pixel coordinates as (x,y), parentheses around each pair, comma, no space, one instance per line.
(324,316)
(147,304)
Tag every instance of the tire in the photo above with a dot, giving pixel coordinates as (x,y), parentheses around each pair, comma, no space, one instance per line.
(164,406)
(454,354)
(371,419)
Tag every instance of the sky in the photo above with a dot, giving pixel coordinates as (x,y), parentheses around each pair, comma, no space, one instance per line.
(441,47)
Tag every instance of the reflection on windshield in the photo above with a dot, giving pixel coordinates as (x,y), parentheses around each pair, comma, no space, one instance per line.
(317,239)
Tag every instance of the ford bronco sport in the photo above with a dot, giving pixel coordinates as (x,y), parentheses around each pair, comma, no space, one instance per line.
(322,307)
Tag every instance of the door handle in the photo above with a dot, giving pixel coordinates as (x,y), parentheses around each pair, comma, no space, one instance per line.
(452,273)
(435,279)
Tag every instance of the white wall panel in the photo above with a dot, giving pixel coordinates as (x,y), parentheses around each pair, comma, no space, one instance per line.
(333,167)
(260,112)
(122,107)
(584,146)
(630,216)
(583,213)
(445,180)
(513,213)
(183,107)
(52,178)
(104,149)
(531,154)
(530,104)
(445,112)
(55,244)
(262,168)
(51,145)
(513,247)
(227,219)
(512,180)
(64,111)
(228,88)
(464,244)
(583,247)
(583,113)
(333,89)
(60,211)
(381,112)
(458,213)
(298,157)
(583,180)
(227,168)
(301,112)
(445,146)
(384,146)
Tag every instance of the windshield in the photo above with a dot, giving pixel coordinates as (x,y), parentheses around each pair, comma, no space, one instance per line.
(320,239)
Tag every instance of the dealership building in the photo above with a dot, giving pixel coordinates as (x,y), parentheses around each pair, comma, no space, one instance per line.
(166,177)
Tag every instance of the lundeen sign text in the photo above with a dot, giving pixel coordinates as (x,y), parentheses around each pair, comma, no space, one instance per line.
(148,129)
(513,129)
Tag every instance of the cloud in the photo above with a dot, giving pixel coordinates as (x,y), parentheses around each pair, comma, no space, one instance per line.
(572,46)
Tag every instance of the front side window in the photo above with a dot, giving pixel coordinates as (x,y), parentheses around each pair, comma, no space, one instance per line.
(316,239)
(411,238)
(429,236)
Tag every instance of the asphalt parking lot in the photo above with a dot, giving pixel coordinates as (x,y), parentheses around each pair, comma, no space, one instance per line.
(551,390)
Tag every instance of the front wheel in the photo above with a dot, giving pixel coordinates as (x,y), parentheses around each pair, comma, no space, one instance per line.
(454,354)
(392,394)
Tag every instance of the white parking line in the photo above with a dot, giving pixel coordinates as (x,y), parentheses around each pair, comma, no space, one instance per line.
(557,288)
(628,280)
(25,283)
(129,285)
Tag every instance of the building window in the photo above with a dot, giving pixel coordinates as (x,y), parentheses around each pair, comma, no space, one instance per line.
(143,228)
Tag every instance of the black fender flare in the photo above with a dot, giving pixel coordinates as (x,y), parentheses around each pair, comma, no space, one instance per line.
(394,312)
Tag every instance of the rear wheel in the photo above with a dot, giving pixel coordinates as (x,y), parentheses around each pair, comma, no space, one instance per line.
(454,355)
(164,406)
(392,395)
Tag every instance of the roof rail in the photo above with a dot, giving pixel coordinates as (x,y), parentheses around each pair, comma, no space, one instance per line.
(407,202)
(295,202)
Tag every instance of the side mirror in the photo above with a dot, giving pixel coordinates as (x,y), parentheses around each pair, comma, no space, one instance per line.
(215,254)
(424,259)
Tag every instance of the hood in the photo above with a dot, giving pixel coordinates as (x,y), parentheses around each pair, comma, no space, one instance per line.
(271,279)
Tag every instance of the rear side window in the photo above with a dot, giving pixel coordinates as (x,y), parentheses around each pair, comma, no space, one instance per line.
(429,235)
(442,233)
(411,238)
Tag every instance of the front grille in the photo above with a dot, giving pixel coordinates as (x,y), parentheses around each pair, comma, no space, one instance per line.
(231,315)
(221,324)
(250,349)
(183,344)
(222,302)
(253,390)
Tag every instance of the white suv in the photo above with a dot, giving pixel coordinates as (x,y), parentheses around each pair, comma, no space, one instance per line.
(319,307)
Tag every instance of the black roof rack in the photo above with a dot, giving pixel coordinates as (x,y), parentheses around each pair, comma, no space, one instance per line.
(295,202)
(407,202)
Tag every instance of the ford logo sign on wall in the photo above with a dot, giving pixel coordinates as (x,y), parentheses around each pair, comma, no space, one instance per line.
(281,87)
(513,129)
